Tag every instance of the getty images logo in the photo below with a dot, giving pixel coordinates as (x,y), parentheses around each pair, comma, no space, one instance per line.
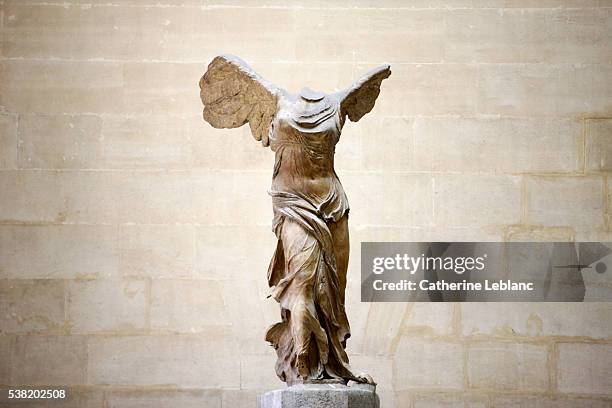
(412,264)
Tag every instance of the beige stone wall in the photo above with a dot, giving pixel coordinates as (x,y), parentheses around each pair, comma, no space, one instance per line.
(134,238)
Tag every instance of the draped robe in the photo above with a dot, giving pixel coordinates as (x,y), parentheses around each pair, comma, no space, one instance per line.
(303,273)
(307,273)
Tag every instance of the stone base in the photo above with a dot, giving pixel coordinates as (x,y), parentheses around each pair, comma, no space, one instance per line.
(321,396)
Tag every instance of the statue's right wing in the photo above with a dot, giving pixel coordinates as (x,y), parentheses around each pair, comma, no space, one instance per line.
(233,94)
(359,99)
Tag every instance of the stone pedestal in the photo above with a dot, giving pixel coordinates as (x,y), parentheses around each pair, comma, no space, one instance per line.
(321,396)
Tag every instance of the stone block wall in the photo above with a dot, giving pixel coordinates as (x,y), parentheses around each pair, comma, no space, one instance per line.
(134,238)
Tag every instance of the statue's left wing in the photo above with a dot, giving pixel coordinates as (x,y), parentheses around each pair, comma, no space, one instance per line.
(359,99)
(233,94)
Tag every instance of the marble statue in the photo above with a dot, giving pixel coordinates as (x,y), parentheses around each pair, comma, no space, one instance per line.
(307,272)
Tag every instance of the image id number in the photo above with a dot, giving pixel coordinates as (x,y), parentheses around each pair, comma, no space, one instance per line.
(37,394)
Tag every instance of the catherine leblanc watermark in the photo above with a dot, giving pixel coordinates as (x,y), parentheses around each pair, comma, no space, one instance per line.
(485,271)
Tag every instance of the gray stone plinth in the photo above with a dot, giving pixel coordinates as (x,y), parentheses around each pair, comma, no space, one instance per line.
(321,396)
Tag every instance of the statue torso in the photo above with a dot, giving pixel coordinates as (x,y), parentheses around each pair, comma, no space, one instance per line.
(303,136)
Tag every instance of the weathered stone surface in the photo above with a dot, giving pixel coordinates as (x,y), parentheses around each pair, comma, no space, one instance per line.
(76,86)
(110,142)
(391,150)
(553,201)
(49,360)
(540,234)
(58,251)
(321,396)
(6,349)
(381,369)
(358,313)
(153,88)
(195,398)
(585,368)
(100,197)
(474,145)
(429,319)
(508,366)
(108,305)
(32,305)
(187,305)
(527,89)
(193,361)
(536,319)
(240,197)
(544,402)
(571,35)
(608,204)
(247,257)
(424,363)
(157,251)
(400,35)
(435,89)
(257,371)
(60,141)
(8,141)
(135,32)
(450,401)
(394,204)
(153,197)
(250,312)
(210,141)
(240,398)
(599,145)
(462,200)
(384,322)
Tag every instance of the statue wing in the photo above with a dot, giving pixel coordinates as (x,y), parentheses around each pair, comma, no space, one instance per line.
(359,99)
(233,94)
